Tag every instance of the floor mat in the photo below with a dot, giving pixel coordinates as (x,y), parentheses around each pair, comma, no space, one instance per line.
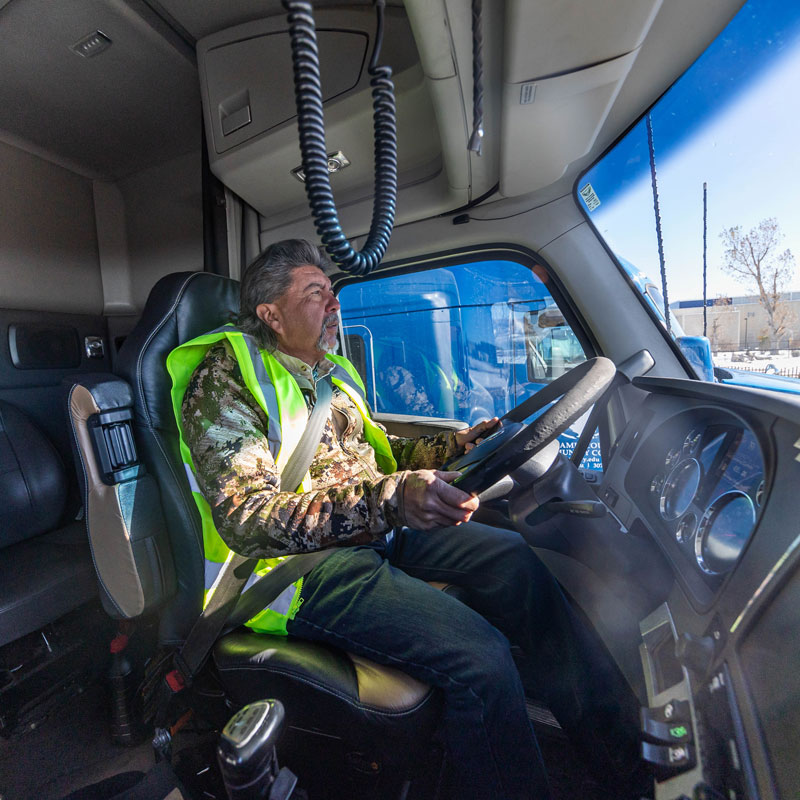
(66,748)
(566,774)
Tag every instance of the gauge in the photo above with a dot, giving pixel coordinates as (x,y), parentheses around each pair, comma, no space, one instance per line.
(679,489)
(673,457)
(657,484)
(686,528)
(724,530)
(692,442)
(760,493)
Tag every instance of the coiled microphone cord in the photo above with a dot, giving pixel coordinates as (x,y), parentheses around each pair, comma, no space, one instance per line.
(311,128)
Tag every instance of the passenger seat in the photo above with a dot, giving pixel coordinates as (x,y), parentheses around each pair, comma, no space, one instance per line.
(45,569)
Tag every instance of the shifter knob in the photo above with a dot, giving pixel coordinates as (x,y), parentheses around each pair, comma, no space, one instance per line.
(246,750)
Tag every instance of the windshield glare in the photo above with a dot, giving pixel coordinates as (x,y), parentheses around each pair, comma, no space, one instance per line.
(718,165)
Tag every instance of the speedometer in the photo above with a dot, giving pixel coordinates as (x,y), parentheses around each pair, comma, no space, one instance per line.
(723,532)
(679,489)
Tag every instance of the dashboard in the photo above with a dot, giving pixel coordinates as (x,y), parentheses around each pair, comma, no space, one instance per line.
(685,555)
(700,480)
(711,477)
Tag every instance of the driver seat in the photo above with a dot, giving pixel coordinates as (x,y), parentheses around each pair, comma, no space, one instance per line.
(342,709)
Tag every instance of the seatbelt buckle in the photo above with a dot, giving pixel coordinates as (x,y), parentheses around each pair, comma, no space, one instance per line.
(175,681)
(178,678)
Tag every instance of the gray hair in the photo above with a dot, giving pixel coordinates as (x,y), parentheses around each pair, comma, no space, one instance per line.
(268,278)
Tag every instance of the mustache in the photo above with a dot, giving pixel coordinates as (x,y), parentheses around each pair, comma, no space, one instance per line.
(330,320)
(322,343)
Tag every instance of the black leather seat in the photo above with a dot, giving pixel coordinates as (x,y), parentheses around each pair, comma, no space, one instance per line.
(353,705)
(45,569)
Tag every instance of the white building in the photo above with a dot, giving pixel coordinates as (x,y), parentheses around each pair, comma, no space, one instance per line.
(738,323)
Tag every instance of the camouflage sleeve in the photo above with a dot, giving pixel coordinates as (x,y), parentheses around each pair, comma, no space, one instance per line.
(224,429)
(425,452)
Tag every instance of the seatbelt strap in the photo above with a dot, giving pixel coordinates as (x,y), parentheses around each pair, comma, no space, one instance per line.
(236,570)
(300,460)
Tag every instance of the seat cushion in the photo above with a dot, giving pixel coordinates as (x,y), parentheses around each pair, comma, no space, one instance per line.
(33,484)
(43,578)
(326,690)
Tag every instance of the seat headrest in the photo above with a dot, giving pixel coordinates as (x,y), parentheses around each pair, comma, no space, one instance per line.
(33,483)
(180,306)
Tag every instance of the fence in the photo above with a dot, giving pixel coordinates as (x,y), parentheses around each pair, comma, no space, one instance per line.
(756,347)
(768,369)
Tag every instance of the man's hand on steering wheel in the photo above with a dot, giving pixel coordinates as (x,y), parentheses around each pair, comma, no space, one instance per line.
(561,403)
(428,500)
(469,437)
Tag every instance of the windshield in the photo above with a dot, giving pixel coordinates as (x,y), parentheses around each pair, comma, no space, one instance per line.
(714,161)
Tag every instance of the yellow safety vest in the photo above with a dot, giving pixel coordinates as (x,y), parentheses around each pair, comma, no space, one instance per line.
(279,396)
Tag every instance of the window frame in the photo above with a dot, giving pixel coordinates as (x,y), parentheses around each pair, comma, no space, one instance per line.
(492,252)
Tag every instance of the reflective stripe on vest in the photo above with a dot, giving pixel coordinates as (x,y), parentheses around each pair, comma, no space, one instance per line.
(279,396)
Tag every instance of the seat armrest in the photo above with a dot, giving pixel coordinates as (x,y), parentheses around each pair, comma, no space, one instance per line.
(124,519)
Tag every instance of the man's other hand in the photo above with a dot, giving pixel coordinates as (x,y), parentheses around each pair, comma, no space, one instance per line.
(430,502)
(470,437)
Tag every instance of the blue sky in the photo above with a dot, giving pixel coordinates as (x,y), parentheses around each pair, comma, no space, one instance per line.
(731,121)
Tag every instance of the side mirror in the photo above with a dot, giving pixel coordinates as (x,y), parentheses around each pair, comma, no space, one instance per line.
(551,318)
(697,350)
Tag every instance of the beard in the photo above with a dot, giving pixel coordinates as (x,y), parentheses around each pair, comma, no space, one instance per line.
(323,344)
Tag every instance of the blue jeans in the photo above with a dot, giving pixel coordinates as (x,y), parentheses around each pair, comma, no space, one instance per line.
(373,601)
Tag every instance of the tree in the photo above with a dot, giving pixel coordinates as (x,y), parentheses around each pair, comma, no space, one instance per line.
(753,259)
(720,333)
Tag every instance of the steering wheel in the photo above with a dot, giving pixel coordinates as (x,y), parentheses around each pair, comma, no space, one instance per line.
(504,451)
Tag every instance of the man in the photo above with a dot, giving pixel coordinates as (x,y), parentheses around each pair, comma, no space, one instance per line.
(396,522)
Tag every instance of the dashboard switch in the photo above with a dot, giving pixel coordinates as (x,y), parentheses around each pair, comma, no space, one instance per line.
(610,496)
(668,760)
(673,712)
(675,732)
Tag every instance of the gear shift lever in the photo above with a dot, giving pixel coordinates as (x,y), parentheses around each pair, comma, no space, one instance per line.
(246,754)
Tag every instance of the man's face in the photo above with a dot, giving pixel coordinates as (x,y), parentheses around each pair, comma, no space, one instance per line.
(305,319)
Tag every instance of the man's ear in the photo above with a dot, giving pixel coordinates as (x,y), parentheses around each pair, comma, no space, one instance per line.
(268,313)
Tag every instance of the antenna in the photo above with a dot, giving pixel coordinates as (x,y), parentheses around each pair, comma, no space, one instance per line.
(657,210)
(705,253)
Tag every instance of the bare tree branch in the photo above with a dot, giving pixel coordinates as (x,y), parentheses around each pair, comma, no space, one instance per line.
(752,259)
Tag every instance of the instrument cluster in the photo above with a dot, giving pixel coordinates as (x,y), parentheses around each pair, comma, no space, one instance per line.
(707,488)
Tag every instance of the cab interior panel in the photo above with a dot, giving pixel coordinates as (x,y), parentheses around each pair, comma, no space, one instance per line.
(143,138)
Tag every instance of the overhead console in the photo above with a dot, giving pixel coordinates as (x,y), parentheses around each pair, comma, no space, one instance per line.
(247,87)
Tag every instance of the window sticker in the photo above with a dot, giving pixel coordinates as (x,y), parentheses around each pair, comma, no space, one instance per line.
(527,93)
(590,197)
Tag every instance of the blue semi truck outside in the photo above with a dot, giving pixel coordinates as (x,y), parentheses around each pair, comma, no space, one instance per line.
(467,342)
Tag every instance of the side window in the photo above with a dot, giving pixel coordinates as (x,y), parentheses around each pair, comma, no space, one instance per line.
(464,342)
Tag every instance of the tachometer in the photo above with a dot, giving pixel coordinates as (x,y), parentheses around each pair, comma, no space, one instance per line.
(692,441)
(679,489)
(724,530)
(673,457)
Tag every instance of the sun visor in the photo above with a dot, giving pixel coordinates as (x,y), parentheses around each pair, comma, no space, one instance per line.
(565,62)
(548,124)
(554,37)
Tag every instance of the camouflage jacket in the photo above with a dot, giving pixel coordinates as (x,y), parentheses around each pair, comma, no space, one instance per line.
(351,501)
